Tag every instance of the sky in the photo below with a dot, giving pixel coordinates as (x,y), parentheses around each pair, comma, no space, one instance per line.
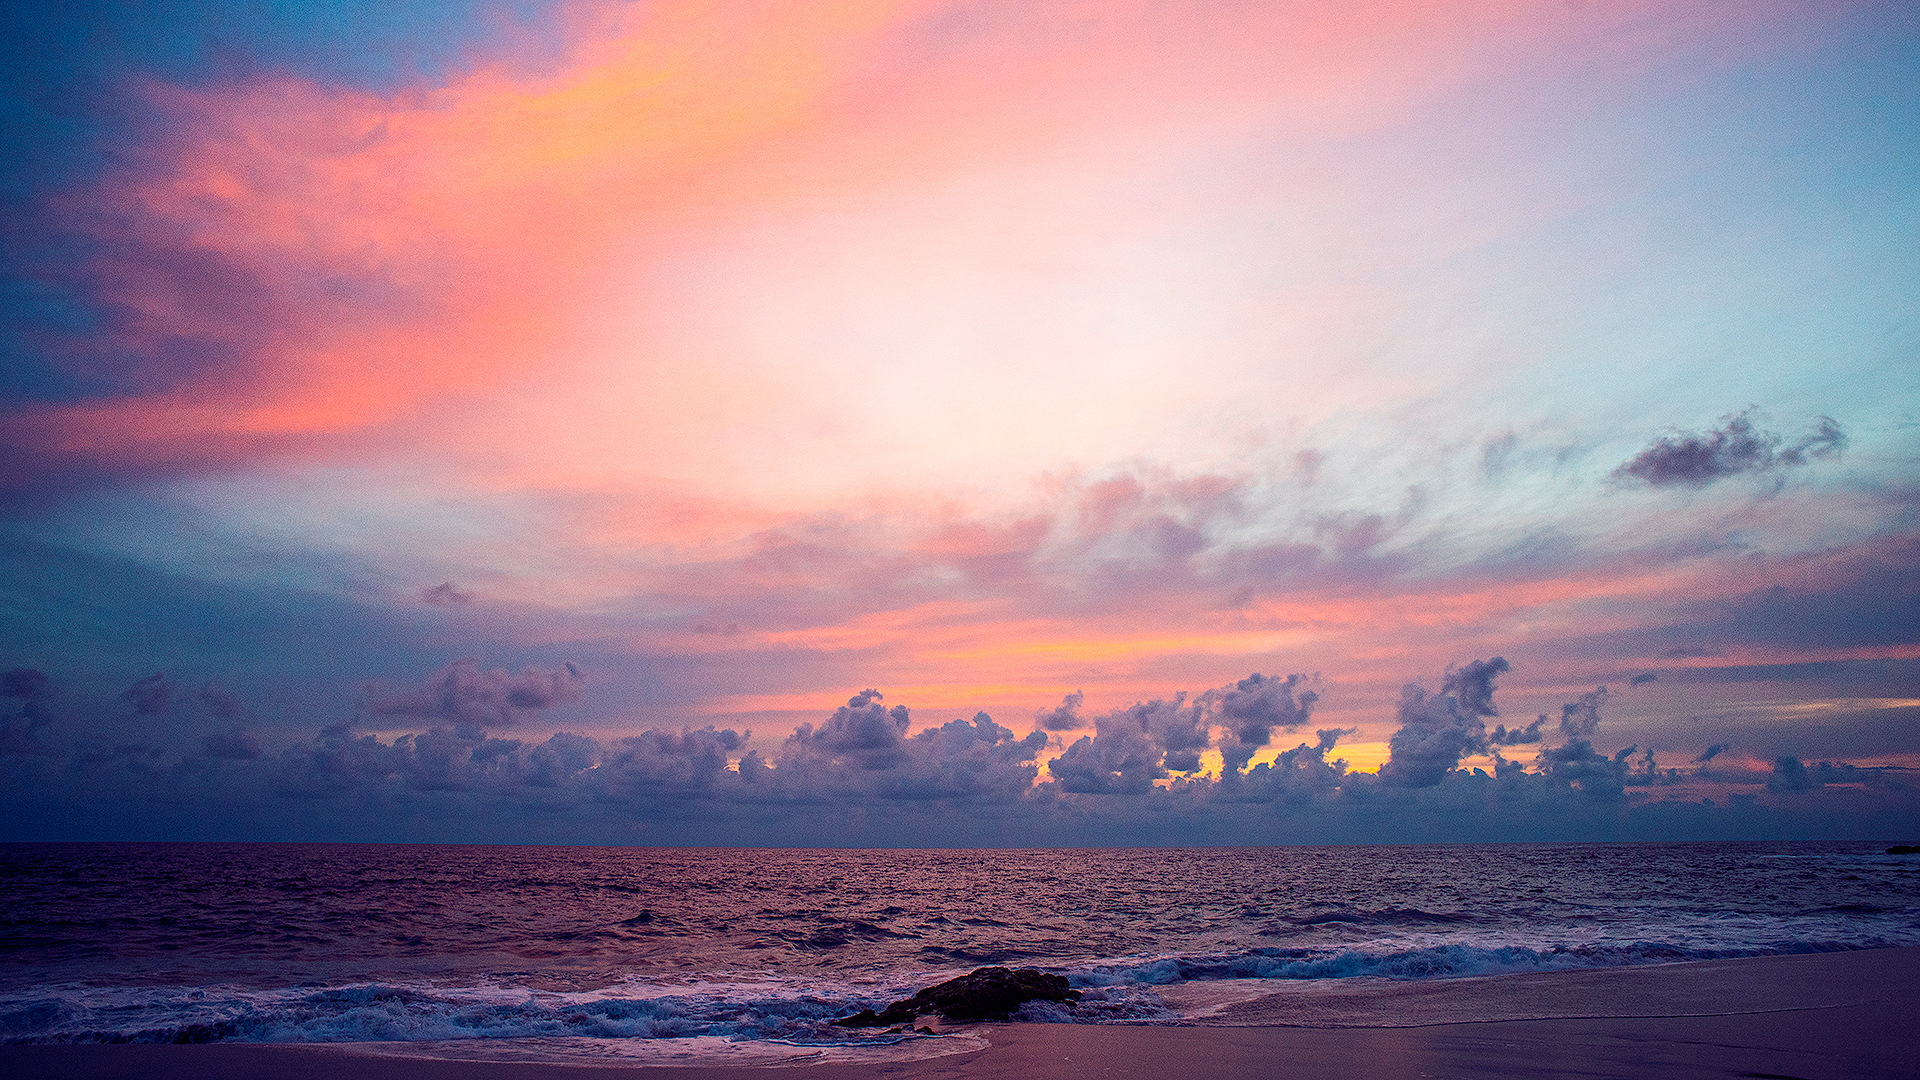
(934,422)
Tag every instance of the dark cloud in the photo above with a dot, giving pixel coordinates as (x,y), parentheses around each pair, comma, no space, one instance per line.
(858,776)
(1295,776)
(862,751)
(235,745)
(1687,652)
(150,696)
(1576,763)
(1643,678)
(445,594)
(1064,717)
(1710,753)
(1581,718)
(1252,708)
(1737,446)
(1503,736)
(461,693)
(862,732)
(1793,776)
(1825,440)
(654,763)
(1119,758)
(20,726)
(1437,731)
(1150,740)
(1866,595)
(32,687)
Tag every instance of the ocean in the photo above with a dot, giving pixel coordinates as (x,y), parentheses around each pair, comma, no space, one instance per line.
(691,953)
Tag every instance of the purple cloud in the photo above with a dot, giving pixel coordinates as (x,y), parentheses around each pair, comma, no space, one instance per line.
(1736,446)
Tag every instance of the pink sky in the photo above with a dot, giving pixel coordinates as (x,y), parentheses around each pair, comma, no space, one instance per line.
(989,352)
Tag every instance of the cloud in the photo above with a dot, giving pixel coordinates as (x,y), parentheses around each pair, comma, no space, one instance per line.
(235,745)
(150,696)
(19,731)
(863,751)
(461,693)
(223,704)
(1119,758)
(1581,718)
(1297,775)
(1643,678)
(1064,717)
(1437,731)
(862,774)
(32,687)
(1252,708)
(1710,753)
(1793,776)
(1736,446)
(445,594)
(862,732)
(1503,736)
(1150,740)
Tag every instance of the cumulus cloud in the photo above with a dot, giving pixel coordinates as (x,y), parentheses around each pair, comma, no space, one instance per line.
(1251,709)
(1065,716)
(864,774)
(863,750)
(862,732)
(1710,753)
(1119,758)
(1503,736)
(1297,775)
(1151,740)
(1437,731)
(1737,446)
(461,693)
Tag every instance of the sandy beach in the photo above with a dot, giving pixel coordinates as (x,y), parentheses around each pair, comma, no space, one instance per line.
(1829,1016)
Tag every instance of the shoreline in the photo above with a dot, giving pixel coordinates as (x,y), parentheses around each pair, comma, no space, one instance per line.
(1816,1016)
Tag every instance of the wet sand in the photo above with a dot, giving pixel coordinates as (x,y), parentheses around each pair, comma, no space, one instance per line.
(1832,1016)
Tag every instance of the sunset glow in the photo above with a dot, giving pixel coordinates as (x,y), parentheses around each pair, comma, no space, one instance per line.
(746,356)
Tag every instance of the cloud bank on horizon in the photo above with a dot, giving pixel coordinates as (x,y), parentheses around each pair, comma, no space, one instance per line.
(537,400)
(1172,771)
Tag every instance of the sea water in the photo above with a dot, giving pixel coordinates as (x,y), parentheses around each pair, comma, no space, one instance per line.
(558,951)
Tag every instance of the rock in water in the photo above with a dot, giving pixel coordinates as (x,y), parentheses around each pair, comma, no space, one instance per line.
(990,993)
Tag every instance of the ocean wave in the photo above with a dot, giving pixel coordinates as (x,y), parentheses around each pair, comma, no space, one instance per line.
(1451,960)
(383,1012)
(1119,991)
(1384,917)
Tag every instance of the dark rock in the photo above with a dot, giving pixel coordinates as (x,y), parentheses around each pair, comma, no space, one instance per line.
(991,993)
(1904,849)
